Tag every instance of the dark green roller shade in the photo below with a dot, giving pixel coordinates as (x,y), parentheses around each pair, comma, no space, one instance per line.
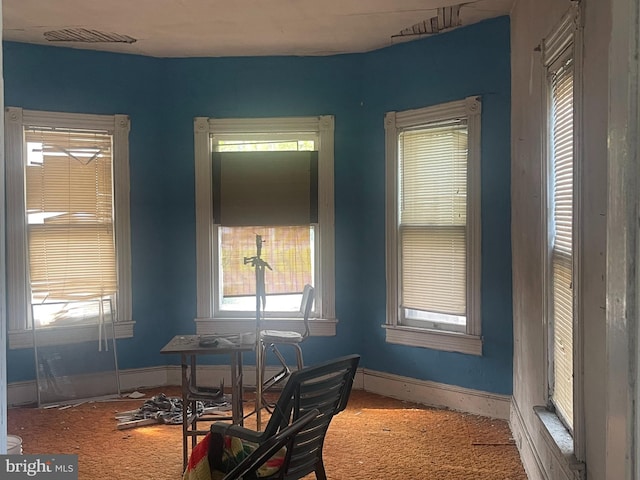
(265,188)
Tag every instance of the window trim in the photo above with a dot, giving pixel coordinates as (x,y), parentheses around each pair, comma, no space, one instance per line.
(566,36)
(471,341)
(20,334)
(204,128)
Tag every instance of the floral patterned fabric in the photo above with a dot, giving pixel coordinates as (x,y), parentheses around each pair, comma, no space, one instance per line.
(234,451)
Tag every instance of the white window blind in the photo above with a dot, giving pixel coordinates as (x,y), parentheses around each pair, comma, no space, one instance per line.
(433,217)
(562,134)
(69,202)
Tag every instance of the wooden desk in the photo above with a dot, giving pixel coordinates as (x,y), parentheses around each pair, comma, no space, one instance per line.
(188,347)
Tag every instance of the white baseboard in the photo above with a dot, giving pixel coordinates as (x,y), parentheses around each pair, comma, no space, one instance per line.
(21,393)
(394,386)
(25,393)
(437,394)
(528,454)
(149,377)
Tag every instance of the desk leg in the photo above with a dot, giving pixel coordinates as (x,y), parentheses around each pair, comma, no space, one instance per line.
(240,390)
(193,421)
(185,420)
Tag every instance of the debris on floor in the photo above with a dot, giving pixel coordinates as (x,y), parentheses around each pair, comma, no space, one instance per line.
(161,409)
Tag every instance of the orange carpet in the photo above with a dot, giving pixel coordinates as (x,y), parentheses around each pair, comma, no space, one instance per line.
(374,438)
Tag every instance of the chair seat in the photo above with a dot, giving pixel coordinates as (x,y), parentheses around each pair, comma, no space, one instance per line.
(278,336)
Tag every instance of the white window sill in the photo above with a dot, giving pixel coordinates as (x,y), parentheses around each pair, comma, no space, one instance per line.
(66,335)
(223,326)
(560,443)
(437,340)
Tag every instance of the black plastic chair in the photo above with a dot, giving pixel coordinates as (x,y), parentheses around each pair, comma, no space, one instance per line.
(246,469)
(325,387)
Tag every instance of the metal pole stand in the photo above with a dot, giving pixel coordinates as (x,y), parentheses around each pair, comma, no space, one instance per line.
(261,300)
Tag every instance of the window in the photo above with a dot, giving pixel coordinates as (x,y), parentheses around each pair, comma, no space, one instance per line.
(562,219)
(273,178)
(433,226)
(68,217)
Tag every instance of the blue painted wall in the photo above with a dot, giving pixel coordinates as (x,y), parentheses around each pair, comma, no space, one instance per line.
(465,62)
(163,95)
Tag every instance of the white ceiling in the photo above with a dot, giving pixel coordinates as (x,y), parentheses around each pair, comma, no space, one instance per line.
(216,28)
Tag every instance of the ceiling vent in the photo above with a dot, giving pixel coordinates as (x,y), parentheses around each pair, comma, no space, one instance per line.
(83,35)
(448,17)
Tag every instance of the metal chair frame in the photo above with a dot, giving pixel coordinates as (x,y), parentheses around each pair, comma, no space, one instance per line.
(273,338)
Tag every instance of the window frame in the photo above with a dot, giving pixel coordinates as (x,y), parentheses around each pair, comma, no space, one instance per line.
(565,42)
(208,320)
(469,342)
(18,303)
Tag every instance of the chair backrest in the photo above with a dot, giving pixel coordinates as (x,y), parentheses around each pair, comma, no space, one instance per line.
(285,437)
(308,295)
(325,387)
